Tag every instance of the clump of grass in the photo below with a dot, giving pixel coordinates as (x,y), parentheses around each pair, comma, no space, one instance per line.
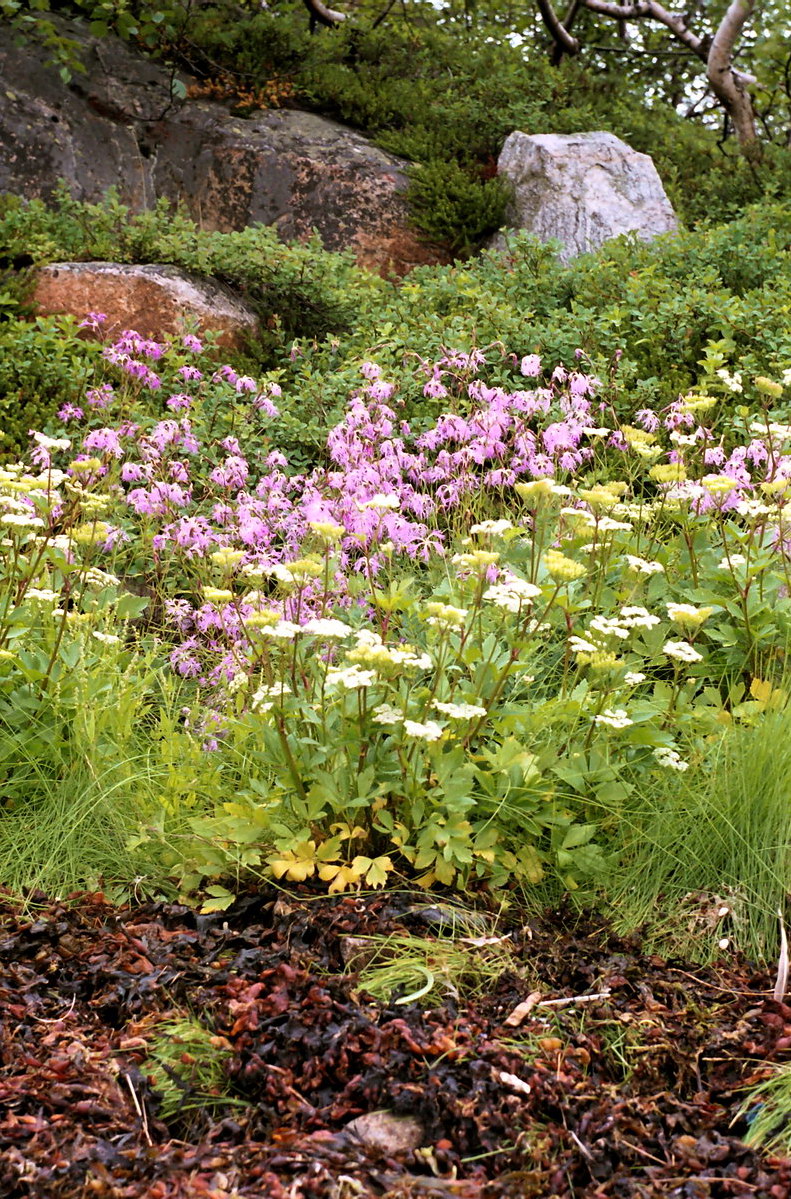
(767,1108)
(187,1067)
(711,850)
(404,968)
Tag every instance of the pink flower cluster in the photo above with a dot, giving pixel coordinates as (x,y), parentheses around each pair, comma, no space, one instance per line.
(194,487)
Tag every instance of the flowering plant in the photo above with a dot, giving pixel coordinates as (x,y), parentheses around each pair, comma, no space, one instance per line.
(454,648)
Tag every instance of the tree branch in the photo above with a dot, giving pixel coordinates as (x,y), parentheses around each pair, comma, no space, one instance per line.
(560,34)
(728,84)
(321,15)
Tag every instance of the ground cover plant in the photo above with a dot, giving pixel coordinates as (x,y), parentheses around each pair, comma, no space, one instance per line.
(466,650)
(654,321)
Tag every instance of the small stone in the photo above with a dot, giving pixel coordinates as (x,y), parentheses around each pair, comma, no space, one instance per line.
(387,1133)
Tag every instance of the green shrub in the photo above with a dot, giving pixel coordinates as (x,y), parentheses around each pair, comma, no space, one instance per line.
(452,91)
(296,289)
(43,364)
(654,320)
(453,206)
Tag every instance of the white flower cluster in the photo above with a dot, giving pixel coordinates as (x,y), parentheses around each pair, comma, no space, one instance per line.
(643,567)
(42,595)
(328,628)
(682,651)
(371,651)
(459,711)
(732,381)
(350,678)
(387,714)
(635,617)
(265,697)
(511,592)
(444,616)
(427,730)
(616,718)
(670,759)
(494,528)
(284,630)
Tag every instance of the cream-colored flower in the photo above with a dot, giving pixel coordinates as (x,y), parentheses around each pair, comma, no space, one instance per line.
(42,595)
(387,714)
(579,645)
(494,528)
(616,718)
(668,472)
(511,592)
(284,630)
(607,626)
(636,617)
(688,615)
(459,711)
(380,502)
(51,443)
(642,566)
(327,530)
(424,731)
(21,521)
(265,697)
(562,569)
(682,651)
(477,560)
(327,628)
(444,616)
(351,678)
(227,558)
(217,595)
(670,759)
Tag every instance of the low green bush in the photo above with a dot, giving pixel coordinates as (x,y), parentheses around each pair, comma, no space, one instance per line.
(296,288)
(43,364)
(654,320)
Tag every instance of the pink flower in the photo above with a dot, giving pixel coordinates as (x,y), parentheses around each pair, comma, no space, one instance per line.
(93,320)
(106,441)
(70,412)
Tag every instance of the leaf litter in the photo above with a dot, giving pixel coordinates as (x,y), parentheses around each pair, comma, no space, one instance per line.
(588,1069)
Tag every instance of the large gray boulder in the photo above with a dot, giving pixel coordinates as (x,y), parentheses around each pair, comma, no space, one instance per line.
(582,189)
(117,125)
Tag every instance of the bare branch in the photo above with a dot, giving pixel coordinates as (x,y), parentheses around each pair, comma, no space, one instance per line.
(321,15)
(560,34)
(675,22)
(727,84)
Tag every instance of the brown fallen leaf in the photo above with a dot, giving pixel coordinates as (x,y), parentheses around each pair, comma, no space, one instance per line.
(522,1010)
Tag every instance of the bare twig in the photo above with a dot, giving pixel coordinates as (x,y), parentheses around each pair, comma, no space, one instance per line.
(567,999)
(782,966)
(141,1111)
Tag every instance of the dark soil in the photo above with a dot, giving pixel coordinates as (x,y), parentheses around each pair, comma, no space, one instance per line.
(631,1095)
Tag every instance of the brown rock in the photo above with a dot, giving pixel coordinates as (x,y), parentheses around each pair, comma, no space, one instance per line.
(116,125)
(157,301)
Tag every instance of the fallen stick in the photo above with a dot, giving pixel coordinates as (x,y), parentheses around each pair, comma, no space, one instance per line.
(574,999)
